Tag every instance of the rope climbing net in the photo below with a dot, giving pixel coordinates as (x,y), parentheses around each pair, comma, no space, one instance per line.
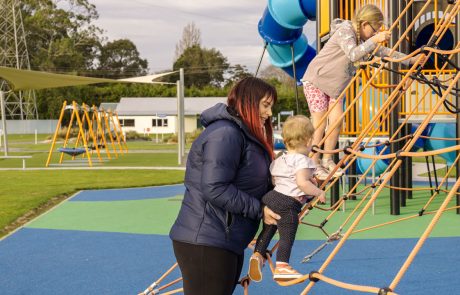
(369,193)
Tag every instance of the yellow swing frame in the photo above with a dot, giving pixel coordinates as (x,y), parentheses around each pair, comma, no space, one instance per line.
(81,132)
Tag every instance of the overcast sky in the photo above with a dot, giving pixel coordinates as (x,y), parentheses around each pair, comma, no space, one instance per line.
(156,26)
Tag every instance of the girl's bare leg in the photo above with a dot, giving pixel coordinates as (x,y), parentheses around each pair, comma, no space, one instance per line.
(331,142)
(319,131)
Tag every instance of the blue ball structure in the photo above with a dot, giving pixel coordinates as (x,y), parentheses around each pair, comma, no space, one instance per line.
(420,142)
(278,143)
(374,105)
(380,166)
(446,130)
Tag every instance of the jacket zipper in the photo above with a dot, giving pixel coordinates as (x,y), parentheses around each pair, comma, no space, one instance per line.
(227,226)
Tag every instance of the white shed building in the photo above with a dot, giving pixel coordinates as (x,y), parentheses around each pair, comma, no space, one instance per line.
(158,115)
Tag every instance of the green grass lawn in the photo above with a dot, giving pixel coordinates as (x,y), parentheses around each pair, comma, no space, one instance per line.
(140,153)
(25,194)
(38,160)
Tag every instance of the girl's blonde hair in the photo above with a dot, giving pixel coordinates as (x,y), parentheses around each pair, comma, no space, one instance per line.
(296,131)
(367,13)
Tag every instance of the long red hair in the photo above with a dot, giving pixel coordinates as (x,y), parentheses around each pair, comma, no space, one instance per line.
(244,99)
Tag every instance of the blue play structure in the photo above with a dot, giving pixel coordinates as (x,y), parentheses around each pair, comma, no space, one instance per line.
(281,28)
(439,130)
(445,130)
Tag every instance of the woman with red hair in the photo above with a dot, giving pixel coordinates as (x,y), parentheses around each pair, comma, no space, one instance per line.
(226,176)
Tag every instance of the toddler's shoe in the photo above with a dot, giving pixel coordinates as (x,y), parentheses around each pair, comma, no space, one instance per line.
(285,272)
(256,263)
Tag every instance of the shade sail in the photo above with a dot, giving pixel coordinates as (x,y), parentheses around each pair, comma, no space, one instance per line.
(34,80)
(148,79)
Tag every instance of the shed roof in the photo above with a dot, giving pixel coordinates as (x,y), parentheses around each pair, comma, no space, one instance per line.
(148,106)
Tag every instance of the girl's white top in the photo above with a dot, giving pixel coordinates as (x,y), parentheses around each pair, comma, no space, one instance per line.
(284,170)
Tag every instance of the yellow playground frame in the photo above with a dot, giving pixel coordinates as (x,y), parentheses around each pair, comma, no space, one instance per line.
(92,139)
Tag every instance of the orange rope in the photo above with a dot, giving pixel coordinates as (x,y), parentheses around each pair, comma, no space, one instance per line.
(439,138)
(409,189)
(399,220)
(397,164)
(318,276)
(170,284)
(174,291)
(404,154)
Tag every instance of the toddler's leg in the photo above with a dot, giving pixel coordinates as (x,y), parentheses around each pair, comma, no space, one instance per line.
(287,227)
(265,236)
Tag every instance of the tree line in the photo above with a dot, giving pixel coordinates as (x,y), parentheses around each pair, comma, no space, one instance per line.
(62,38)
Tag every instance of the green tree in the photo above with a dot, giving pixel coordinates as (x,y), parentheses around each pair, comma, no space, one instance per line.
(236,73)
(121,59)
(202,67)
(61,40)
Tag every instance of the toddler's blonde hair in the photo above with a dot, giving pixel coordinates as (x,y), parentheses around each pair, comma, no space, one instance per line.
(297,130)
(367,13)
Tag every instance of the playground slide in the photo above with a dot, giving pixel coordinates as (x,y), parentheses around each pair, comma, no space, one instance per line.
(281,28)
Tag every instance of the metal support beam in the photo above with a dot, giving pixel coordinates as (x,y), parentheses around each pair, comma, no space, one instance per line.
(5,133)
(180,119)
(457,61)
(395,197)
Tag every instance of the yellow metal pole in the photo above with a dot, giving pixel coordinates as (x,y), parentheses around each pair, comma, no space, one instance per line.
(91,133)
(116,132)
(106,120)
(69,127)
(121,132)
(80,132)
(99,127)
(61,115)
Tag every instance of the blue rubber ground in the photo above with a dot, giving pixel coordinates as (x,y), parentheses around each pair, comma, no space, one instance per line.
(37,261)
(129,193)
(45,261)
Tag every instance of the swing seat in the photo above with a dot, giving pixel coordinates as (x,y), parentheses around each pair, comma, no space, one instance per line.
(72,151)
(99,146)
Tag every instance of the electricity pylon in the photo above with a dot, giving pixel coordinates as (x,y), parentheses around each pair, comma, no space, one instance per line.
(14,54)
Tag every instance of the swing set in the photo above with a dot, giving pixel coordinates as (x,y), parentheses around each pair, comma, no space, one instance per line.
(91,136)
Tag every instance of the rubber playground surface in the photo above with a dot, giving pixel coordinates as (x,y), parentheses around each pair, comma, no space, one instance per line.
(116,242)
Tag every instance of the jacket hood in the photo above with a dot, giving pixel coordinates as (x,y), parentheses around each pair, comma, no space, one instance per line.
(217,112)
(221,112)
(338,23)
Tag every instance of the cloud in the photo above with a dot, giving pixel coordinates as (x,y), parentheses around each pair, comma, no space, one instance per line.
(156,27)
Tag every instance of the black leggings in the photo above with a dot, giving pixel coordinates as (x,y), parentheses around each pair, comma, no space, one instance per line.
(288,208)
(207,270)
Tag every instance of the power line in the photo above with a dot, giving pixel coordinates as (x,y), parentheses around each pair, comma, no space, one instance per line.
(176,9)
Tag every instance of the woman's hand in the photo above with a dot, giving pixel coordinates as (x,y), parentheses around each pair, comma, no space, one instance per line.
(381,37)
(270,217)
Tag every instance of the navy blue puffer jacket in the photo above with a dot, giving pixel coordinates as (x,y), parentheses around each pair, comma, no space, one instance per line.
(227,174)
